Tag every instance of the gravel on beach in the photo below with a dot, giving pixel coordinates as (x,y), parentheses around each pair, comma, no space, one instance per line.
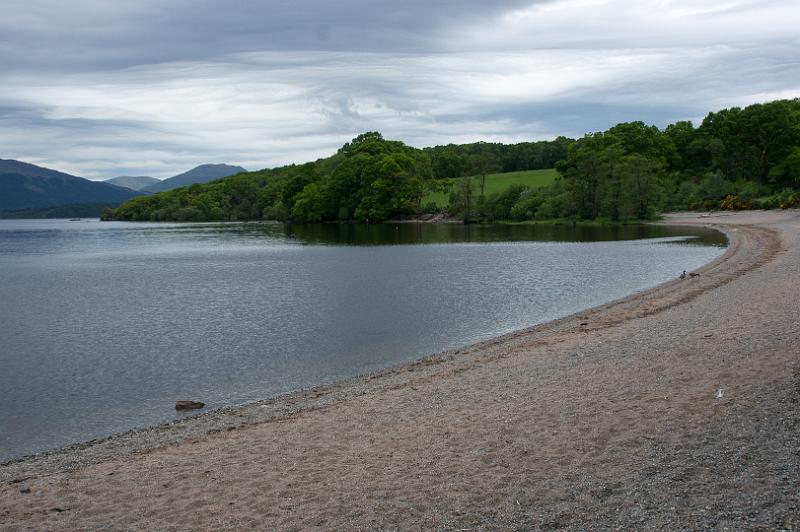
(675,408)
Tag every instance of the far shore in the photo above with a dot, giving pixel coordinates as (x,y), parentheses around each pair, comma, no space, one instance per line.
(676,407)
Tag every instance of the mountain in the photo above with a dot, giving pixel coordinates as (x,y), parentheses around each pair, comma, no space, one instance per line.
(201,174)
(27,186)
(133,182)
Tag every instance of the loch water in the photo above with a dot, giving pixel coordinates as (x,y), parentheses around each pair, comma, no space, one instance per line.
(103,325)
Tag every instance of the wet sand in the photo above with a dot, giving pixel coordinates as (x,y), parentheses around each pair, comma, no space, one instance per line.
(673,408)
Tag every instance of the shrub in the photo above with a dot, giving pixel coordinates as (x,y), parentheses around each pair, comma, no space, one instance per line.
(790,200)
(278,211)
(733,203)
(431,208)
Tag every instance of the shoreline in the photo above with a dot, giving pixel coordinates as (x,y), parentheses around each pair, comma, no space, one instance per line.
(151,437)
(408,386)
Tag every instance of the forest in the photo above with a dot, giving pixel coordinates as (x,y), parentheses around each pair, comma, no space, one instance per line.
(736,158)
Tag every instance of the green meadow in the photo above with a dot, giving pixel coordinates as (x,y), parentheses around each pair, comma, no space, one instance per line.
(498,183)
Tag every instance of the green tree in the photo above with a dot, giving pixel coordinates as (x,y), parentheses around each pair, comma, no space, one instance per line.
(642,188)
(309,204)
(787,172)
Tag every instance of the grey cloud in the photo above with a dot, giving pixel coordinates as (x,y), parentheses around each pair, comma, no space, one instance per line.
(100,88)
(99,34)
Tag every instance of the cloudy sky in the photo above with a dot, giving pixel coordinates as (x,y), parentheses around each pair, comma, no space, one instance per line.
(155,87)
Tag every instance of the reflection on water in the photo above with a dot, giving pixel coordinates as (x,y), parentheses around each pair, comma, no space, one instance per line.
(86,233)
(384,234)
(105,325)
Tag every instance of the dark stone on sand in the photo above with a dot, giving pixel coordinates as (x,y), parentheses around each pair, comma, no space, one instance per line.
(188,405)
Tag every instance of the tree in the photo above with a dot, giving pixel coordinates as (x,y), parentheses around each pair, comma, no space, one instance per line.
(585,170)
(682,134)
(642,189)
(787,172)
(370,142)
(309,204)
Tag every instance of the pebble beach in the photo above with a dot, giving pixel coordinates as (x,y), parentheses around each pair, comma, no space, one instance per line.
(673,408)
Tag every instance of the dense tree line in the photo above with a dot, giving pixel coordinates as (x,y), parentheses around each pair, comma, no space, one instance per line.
(74,210)
(736,158)
(369,178)
(480,158)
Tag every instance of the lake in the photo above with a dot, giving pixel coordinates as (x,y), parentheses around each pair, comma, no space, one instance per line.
(104,325)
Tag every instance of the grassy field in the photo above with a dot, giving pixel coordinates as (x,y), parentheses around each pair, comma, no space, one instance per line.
(500,182)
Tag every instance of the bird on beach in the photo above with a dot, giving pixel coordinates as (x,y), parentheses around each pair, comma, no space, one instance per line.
(683,275)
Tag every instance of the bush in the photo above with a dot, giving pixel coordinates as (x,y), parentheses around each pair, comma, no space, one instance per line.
(546,210)
(748,190)
(733,203)
(278,211)
(788,198)
(431,208)
(526,206)
(713,187)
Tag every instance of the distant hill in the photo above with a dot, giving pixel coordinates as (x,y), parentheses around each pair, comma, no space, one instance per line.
(201,174)
(80,210)
(27,186)
(133,182)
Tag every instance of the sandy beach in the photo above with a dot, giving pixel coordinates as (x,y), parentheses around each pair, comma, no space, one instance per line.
(675,408)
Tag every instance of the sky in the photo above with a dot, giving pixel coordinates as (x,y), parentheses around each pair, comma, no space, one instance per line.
(155,87)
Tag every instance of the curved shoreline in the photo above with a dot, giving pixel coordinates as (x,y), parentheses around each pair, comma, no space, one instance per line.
(592,380)
(144,439)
